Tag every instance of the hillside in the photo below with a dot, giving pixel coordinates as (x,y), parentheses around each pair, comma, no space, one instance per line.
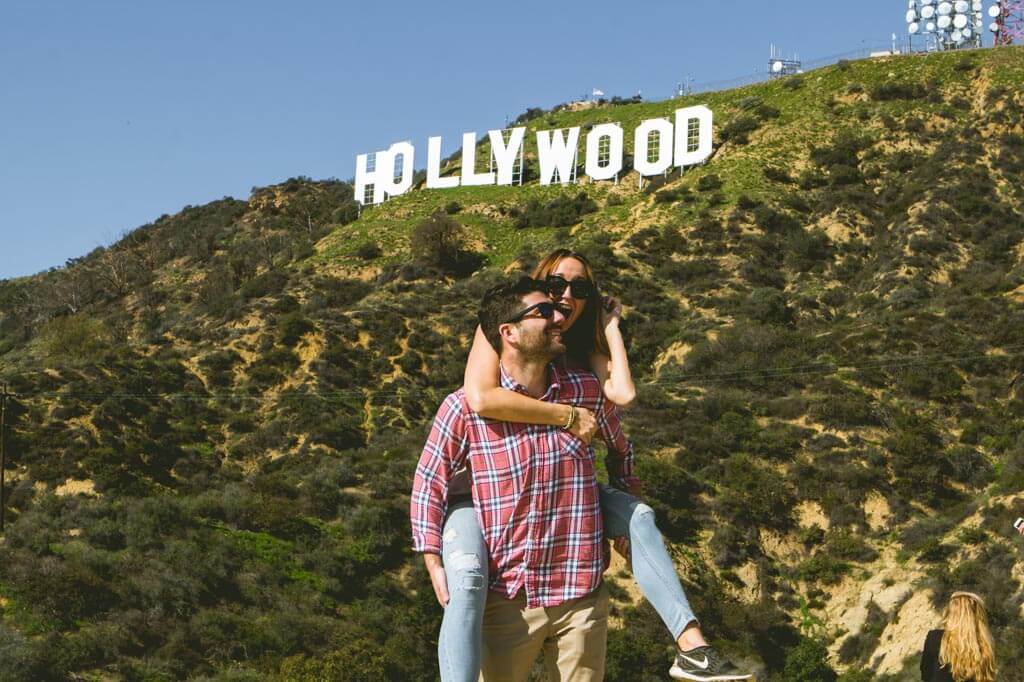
(217,418)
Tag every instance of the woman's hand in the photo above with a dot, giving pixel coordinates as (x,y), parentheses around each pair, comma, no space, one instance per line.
(611,311)
(585,425)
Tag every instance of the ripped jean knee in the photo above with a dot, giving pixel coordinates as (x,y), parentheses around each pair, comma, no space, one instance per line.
(642,519)
(464,573)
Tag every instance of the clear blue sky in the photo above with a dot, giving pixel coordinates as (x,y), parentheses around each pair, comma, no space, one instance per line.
(115,112)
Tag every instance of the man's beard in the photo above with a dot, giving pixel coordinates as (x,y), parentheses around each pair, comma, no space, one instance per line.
(541,345)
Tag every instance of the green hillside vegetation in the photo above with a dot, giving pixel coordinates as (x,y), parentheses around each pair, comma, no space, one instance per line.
(218,417)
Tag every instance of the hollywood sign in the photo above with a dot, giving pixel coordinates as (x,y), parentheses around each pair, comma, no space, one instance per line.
(683,143)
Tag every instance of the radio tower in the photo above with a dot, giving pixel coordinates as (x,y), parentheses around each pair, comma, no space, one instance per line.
(1007,21)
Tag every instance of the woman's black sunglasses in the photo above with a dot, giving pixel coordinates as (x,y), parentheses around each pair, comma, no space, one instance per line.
(580,289)
(545,309)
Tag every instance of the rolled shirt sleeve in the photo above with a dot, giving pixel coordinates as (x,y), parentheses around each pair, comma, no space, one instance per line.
(444,452)
(620,462)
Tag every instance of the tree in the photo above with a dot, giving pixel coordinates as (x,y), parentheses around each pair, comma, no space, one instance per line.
(808,662)
(439,242)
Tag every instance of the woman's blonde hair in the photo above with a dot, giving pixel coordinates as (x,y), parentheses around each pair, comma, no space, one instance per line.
(586,335)
(967,642)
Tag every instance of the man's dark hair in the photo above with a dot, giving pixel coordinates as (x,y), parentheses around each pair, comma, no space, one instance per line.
(501,303)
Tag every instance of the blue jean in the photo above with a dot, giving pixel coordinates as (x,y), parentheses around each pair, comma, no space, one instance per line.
(465,558)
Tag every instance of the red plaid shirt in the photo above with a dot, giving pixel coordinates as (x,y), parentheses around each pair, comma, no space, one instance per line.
(534,490)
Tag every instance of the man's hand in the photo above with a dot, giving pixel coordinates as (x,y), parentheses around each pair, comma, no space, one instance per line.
(585,425)
(437,577)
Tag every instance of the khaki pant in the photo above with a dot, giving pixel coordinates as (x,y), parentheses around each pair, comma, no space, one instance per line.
(573,636)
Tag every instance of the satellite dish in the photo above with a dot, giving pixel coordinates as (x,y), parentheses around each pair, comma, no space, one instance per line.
(994,11)
(994,27)
(945,8)
(956,36)
(911,15)
(966,33)
(776,67)
(928,12)
(927,2)
(976,5)
(945,21)
(959,21)
(961,6)
(913,27)
(930,27)
(977,23)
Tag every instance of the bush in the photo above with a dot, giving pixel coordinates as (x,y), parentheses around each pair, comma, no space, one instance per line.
(887,92)
(668,196)
(562,211)
(292,327)
(739,128)
(74,339)
(776,174)
(808,662)
(708,183)
(368,251)
(823,569)
(268,284)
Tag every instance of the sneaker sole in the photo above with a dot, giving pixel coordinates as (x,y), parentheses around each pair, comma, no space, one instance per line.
(679,674)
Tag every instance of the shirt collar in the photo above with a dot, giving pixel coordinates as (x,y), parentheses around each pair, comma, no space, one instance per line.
(554,381)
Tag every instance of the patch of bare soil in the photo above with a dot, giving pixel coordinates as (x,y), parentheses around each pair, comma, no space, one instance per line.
(73,487)
(904,637)
(890,586)
(783,547)
(836,229)
(675,353)
(877,511)
(809,513)
(751,590)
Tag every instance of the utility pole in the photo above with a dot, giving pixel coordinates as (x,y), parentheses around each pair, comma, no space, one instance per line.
(3,454)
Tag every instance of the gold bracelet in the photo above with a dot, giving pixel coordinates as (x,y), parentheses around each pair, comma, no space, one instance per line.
(572,417)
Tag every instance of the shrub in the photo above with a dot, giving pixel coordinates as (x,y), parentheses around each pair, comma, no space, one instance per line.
(672,195)
(808,662)
(776,174)
(708,183)
(886,92)
(73,339)
(562,211)
(749,102)
(823,569)
(292,327)
(738,129)
(757,495)
(773,221)
(368,251)
(268,284)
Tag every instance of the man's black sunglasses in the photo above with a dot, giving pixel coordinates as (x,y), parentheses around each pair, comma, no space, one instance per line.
(545,309)
(579,288)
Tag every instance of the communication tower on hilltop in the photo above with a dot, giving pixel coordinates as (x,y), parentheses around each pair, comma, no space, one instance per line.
(946,24)
(1007,21)
(779,66)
